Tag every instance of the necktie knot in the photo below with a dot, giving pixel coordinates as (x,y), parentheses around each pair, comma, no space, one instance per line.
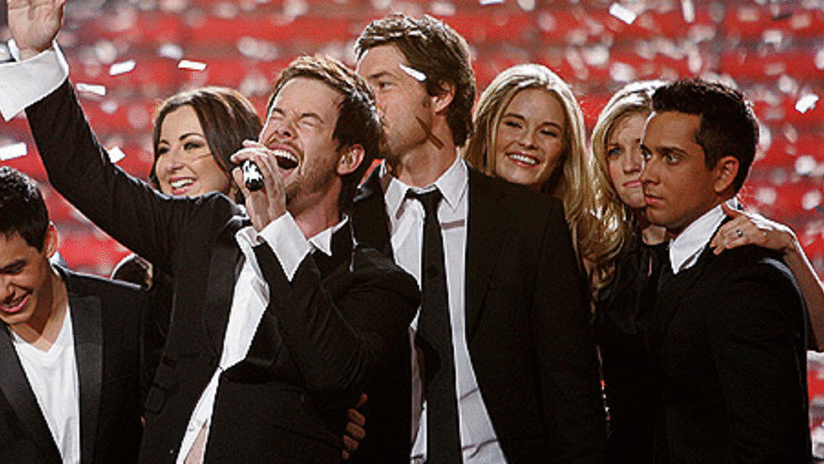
(429,200)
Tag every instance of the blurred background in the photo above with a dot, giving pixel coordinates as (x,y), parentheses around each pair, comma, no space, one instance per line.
(128,55)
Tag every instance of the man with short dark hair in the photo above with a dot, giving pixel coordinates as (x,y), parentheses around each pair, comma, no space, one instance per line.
(510,372)
(727,332)
(69,351)
(280,320)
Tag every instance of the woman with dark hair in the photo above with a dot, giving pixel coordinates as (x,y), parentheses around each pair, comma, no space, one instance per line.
(195,133)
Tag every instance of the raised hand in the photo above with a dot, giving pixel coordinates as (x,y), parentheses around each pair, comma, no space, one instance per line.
(752,229)
(34,24)
(269,203)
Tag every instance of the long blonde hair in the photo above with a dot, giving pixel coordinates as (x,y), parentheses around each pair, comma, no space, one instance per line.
(617,226)
(572,182)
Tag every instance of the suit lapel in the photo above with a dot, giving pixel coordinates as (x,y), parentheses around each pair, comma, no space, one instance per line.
(15,387)
(484,237)
(369,216)
(88,345)
(221,284)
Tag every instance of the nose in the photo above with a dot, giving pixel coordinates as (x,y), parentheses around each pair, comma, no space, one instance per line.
(649,172)
(633,161)
(527,138)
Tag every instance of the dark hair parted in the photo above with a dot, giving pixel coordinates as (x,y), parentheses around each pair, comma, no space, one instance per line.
(358,122)
(435,49)
(22,209)
(226,117)
(728,125)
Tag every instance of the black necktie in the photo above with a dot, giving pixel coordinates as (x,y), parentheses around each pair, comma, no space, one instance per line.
(434,328)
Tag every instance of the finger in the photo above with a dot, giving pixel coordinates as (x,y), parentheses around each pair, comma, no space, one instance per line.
(243,154)
(344,454)
(356,417)
(237,175)
(363,399)
(253,143)
(354,431)
(729,211)
(350,444)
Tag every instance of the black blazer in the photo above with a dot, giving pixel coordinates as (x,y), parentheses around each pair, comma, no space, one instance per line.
(728,340)
(527,321)
(311,358)
(107,349)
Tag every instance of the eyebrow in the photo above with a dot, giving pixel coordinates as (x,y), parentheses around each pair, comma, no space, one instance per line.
(13,265)
(182,137)
(308,114)
(522,118)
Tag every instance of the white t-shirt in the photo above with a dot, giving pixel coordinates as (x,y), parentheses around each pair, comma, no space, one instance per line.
(52,376)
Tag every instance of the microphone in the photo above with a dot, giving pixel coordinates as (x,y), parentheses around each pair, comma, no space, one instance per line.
(252,175)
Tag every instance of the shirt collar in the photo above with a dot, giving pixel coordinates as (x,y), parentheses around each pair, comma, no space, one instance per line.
(452,184)
(323,240)
(685,249)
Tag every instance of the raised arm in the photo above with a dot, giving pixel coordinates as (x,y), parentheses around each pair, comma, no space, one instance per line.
(34,24)
(747,228)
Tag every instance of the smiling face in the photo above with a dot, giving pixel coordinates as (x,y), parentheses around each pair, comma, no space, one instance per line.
(185,164)
(25,279)
(299,130)
(624,158)
(529,138)
(403,103)
(678,186)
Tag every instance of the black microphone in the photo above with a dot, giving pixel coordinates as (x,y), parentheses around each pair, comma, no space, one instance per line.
(252,175)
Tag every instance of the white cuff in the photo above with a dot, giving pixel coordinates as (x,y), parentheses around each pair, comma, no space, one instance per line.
(287,241)
(23,83)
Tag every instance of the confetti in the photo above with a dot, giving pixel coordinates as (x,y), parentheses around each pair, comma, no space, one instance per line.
(806,103)
(172,51)
(116,154)
(193,65)
(623,13)
(92,88)
(417,75)
(122,68)
(688,10)
(491,2)
(12,151)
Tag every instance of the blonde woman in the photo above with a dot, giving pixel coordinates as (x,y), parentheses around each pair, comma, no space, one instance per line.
(529,130)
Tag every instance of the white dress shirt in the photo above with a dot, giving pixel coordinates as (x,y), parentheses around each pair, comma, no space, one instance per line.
(53,378)
(688,245)
(406,217)
(251,296)
(23,83)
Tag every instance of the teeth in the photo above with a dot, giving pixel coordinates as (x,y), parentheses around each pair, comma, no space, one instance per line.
(285,159)
(524,159)
(12,305)
(179,184)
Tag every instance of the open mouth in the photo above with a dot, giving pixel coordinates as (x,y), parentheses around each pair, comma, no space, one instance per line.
(181,184)
(523,159)
(286,160)
(14,306)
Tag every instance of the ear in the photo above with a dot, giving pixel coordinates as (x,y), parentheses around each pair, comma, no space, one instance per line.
(50,241)
(443,99)
(350,159)
(725,171)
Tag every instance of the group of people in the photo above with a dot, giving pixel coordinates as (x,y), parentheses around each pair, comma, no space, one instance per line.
(464,303)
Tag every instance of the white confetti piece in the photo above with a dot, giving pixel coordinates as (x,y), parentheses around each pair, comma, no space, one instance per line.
(116,154)
(491,2)
(92,88)
(122,67)
(688,10)
(15,150)
(193,65)
(172,51)
(623,13)
(806,103)
(417,75)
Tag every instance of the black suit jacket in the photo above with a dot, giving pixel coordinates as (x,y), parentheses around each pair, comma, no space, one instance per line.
(527,321)
(107,350)
(727,338)
(311,358)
